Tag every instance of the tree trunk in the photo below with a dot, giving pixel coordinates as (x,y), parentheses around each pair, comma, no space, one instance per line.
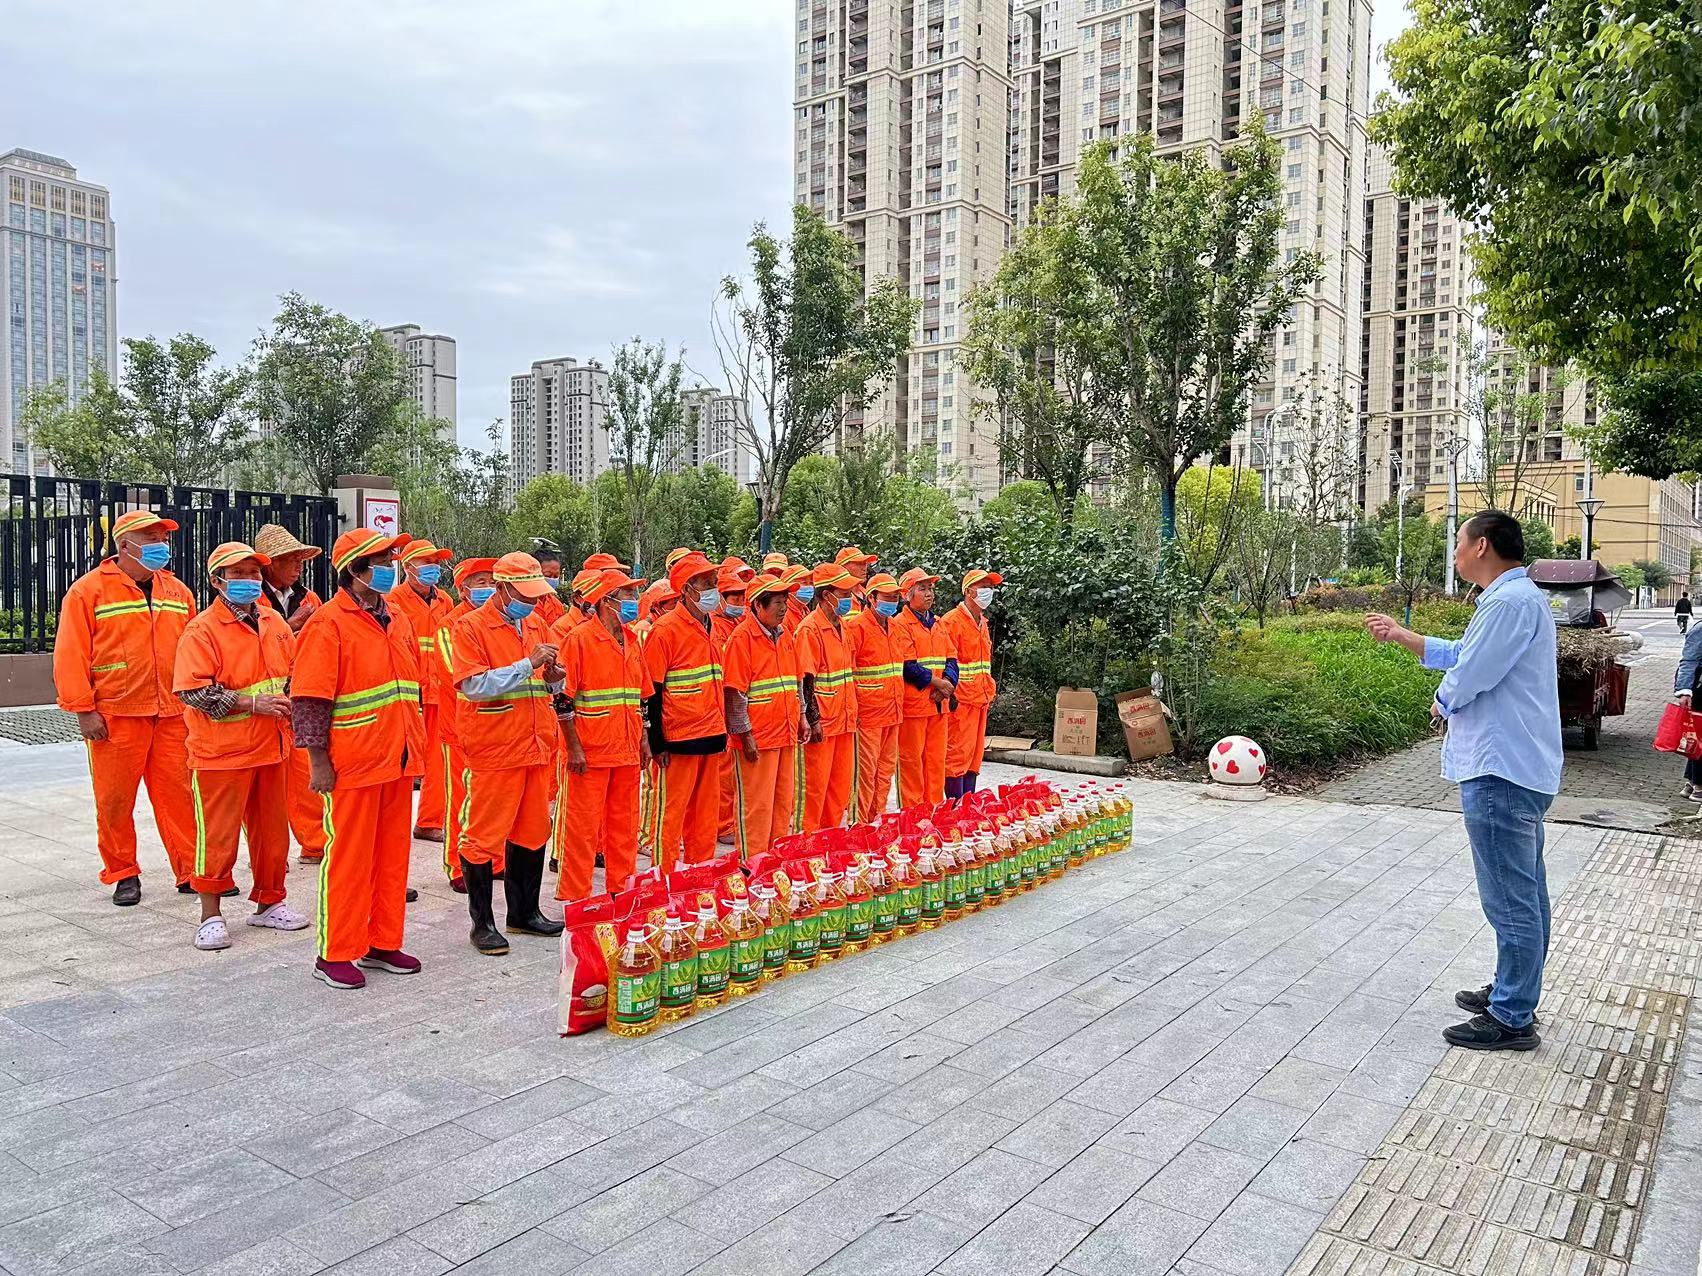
(1167,507)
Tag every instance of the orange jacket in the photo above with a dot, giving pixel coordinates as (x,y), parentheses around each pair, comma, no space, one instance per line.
(766,670)
(371,675)
(608,685)
(518,728)
(686,670)
(426,616)
(795,613)
(449,712)
(879,671)
(931,648)
(218,646)
(973,646)
(721,630)
(824,653)
(551,609)
(115,646)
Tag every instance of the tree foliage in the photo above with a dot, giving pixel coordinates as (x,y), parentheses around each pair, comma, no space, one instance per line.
(91,438)
(646,427)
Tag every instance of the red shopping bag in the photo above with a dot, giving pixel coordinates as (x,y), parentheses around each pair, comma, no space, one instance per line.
(1675,728)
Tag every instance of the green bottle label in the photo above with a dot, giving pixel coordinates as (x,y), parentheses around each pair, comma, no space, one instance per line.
(747,960)
(910,906)
(636,996)
(806,937)
(833,928)
(774,945)
(860,920)
(886,912)
(975,883)
(954,888)
(934,899)
(679,982)
(995,879)
(714,966)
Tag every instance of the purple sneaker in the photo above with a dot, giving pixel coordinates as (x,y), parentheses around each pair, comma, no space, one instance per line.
(394,960)
(339,974)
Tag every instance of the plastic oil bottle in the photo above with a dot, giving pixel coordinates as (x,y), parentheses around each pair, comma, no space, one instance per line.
(637,980)
(833,910)
(744,942)
(714,959)
(776,921)
(933,889)
(907,891)
(806,929)
(951,868)
(859,908)
(992,867)
(886,901)
(678,953)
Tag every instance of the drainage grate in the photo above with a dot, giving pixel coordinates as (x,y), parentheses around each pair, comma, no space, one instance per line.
(38,726)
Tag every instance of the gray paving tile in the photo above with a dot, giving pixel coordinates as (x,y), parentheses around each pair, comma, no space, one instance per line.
(738,1148)
(405,1157)
(1300,1083)
(1094,1185)
(980,1191)
(1119,1089)
(859,1200)
(751,1201)
(900,1246)
(534,1253)
(954,1139)
(850,1142)
(1140,1239)
(626,1209)
(1309,1174)
(48,1241)
(463,1233)
(269,1258)
(1031,1088)
(1023,1241)
(422,1102)
(1158,1130)
(1058,1134)
(1255,1127)
(1255,1236)
(249,1223)
(1352,1123)
(820,1105)
(664,1248)
(936,1091)
(398,1256)
(204,1186)
(1212,1085)
(785,1247)
(522,1111)
(1201,1180)
(322,1140)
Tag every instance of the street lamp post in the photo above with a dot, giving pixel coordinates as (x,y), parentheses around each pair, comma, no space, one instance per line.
(1589,506)
(765,533)
(1402,489)
(1455,446)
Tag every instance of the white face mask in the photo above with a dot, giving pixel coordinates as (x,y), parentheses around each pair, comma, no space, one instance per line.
(983,598)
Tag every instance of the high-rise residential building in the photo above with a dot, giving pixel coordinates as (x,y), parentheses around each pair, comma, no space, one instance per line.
(710,434)
(59,277)
(428,359)
(1415,344)
(900,117)
(557,420)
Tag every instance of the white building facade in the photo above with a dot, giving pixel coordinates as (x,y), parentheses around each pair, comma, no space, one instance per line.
(558,414)
(428,360)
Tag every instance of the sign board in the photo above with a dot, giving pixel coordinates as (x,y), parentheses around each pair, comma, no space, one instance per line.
(382,514)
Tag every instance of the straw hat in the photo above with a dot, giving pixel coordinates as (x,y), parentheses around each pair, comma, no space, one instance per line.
(279,542)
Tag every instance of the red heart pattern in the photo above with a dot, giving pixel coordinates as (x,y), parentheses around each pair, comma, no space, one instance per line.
(1223,746)
(1232,767)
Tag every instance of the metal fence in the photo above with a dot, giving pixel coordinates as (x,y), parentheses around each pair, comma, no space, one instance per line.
(52,530)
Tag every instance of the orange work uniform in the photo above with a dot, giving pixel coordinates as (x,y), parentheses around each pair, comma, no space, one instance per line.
(427,616)
(552,611)
(763,666)
(795,613)
(922,731)
(306,808)
(509,738)
(599,810)
(455,770)
(721,629)
(238,764)
(563,628)
(113,654)
(369,669)
(966,727)
(683,665)
(879,678)
(830,763)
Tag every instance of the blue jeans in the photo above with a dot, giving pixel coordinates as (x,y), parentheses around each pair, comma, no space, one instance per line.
(1504,824)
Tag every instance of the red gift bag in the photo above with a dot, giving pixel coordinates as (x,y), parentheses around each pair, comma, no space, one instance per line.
(1677,730)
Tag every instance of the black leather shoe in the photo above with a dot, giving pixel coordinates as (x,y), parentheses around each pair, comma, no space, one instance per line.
(184,888)
(411,897)
(1486,1032)
(524,879)
(1475,1000)
(232,893)
(127,893)
(485,936)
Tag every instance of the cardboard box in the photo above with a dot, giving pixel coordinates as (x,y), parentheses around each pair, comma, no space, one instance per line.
(1144,729)
(1075,723)
(1012,743)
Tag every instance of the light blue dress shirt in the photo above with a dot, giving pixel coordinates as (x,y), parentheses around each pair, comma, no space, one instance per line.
(1500,693)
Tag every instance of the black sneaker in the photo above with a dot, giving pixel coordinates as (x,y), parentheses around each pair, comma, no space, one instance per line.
(1485,1032)
(411,897)
(1476,1000)
(184,888)
(127,893)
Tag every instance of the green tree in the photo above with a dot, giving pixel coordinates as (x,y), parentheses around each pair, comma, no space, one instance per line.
(93,438)
(646,427)
(1214,504)
(455,497)
(1412,548)
(552,507)
(328,387)
(1656,574)
(190,417)
(1261,555)
(1539,540)
(1631,576)
(1186,287)
(695,508)
(802,344)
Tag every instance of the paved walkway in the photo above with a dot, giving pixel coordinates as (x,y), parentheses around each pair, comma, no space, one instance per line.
(1215,1053)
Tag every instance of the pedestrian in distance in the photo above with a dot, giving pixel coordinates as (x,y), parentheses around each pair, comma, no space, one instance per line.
(1684,681)
(1499,703)
(1682,611)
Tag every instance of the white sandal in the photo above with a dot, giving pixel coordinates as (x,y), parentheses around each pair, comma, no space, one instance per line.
(279,916)
(212,935)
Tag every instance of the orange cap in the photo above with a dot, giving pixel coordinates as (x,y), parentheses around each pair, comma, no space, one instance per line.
(608,580)
(472,567)
(583,581)
(914,577)
(729,580)
(524,574)
(231,553)
(733,563)
(881,583)
(832,576)
(851,554)
(794,575)
(980,575)
(421,551)
(139,521)
(660,592)
(361,542)
(775,562)
(692,564)
(765,584)
(603,563)
(674,556)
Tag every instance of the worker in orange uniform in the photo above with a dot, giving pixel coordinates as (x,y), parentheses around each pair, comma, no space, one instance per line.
(505,671)
(475,583)
(426,607)
(285,592)
(602,722)
(654,603)
(775,563)
(686,718)
(551,606)
(113,655)
(763,703)
(966,725)
(859,565)
(730,580)
(880,696)
(830,701)
(232,675)
(801,592)
(355,703)
(924,647)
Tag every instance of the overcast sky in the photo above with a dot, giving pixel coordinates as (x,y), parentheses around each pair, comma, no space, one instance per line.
(532,177)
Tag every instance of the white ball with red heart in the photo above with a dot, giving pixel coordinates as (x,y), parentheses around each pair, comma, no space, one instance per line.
(1237,760)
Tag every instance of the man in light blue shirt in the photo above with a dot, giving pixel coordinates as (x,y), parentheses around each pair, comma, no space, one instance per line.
(1500,702)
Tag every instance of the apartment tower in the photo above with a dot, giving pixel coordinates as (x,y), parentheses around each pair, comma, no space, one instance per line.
(557,413)
(428,360)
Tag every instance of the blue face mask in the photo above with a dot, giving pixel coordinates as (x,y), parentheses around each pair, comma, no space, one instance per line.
(709,600)
(240,593)
(383,579)
(518,608)
(844,606)
(629,610)
(156,556)
(731,612)
(479,597)
(430,574)
(887,609)
(806,594)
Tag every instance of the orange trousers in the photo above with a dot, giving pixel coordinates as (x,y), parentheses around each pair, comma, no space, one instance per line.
(433,803)
(966,739)
(363,879)
(725,814)
(922,760)
(688,794)
(877,759)
(763,796)
(511,805)
(455,812)
(247,803)
(137,750)
(596,810)
(307,808)
(830,778)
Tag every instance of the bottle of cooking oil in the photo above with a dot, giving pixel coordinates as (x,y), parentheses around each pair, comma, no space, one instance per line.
(992,866)
(833,909)
(886,903)
(933,888)
(806,929)
(951,869)
(776,922)
(1080,846)
(714,958)
(859,908)
(678,953)
(1028,843)
(907,889)
(744,942)
(637,980)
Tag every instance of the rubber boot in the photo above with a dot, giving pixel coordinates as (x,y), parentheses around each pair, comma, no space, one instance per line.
(524,879)
(485,936)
